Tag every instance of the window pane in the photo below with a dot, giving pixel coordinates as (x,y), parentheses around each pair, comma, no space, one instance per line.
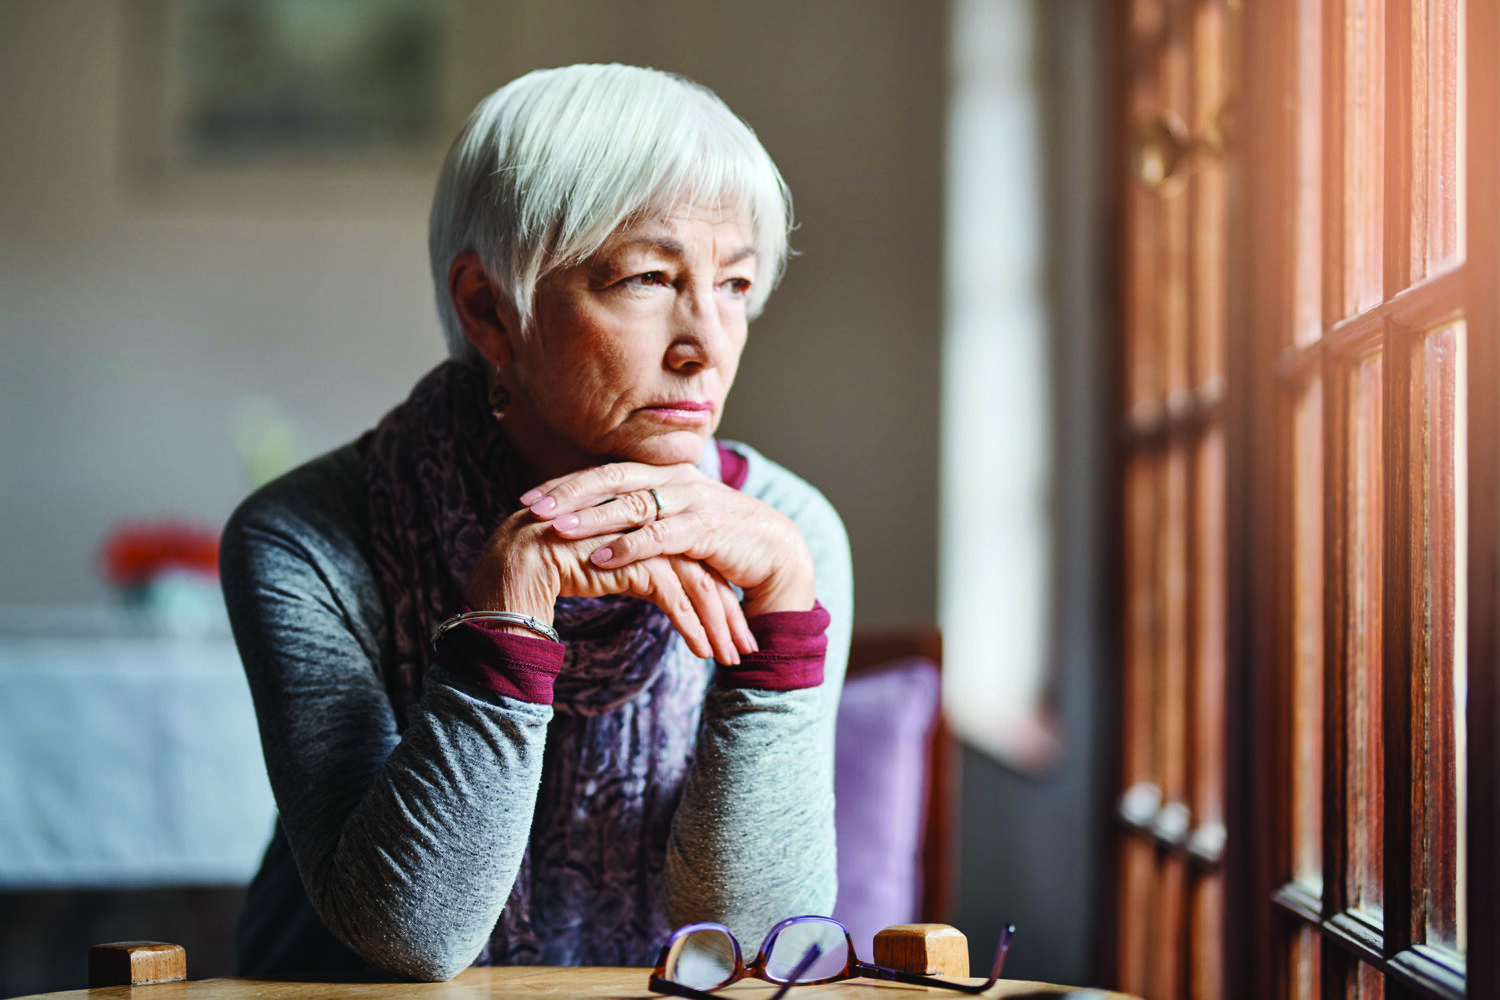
(1206,954)
(1367,983)
(1169,953)
(1305,277)
(1172,253)
(1365,776)
(1137,911)
(1144,296)
(1172,678)
(1360,98)
(1209,196)
(1306,713)
(1207,674)
(1437,126)
(1304,967)
(1143,380)
(1140,625)
(1439,486)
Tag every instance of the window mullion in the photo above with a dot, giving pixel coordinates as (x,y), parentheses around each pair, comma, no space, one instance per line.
(1403,659)
(1336,750)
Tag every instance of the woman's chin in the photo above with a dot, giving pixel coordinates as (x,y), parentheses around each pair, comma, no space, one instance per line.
(667,449)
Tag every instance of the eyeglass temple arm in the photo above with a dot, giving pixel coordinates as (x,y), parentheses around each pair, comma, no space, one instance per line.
(915,979)
(808,958)
(869,971)
(1001,950)
(660,985)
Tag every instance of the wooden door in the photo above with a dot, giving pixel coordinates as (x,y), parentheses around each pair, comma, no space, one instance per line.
(1173,460)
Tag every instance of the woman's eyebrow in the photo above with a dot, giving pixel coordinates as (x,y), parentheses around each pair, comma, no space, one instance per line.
(739,255)
(672,248)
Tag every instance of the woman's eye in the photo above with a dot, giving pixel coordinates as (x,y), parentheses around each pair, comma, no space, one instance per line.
(650,279)
(738,286)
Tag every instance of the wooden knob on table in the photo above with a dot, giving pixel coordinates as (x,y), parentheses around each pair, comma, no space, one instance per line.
(926,949)
(136,963)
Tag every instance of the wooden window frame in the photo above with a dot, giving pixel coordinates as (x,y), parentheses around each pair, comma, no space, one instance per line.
(1290,325)
(1257,853)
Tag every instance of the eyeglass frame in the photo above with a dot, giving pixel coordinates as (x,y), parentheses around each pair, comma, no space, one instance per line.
(854,968)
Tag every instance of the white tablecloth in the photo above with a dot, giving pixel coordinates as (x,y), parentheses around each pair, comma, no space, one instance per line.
(127,761)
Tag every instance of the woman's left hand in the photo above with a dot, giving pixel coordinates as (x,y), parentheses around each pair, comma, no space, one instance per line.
(677,510)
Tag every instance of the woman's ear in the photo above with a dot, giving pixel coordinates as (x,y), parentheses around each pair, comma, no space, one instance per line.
(487,320)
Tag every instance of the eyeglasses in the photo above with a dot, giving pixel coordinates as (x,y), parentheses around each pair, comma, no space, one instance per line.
(801,951)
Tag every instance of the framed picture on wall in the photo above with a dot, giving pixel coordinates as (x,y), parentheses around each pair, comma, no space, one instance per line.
(228,88)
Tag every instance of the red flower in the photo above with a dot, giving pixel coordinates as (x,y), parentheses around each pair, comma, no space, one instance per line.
(134,553)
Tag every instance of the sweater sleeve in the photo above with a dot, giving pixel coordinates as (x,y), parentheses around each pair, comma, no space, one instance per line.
(383,826)
(753,839)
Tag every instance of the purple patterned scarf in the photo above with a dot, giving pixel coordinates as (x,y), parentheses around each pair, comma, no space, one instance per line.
(589,892)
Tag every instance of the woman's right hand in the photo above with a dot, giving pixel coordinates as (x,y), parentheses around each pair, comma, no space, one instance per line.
(525,567)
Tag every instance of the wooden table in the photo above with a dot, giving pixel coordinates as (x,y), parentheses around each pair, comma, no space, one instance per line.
(528,981)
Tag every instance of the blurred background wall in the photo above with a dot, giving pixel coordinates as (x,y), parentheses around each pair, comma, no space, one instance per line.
(160,325)
(144,313)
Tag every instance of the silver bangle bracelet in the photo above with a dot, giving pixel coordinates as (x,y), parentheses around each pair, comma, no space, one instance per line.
(536,625)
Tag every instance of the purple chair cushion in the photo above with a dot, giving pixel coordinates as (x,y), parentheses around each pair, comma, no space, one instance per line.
(880,789)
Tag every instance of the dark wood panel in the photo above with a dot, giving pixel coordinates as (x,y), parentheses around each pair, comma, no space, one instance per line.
(1269,210)
(45,936)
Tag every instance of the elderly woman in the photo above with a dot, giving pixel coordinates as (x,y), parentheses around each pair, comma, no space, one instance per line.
(542,668)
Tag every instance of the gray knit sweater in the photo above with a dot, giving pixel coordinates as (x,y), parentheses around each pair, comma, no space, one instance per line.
(405,845)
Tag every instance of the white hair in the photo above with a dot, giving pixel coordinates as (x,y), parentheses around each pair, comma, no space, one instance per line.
(553,163)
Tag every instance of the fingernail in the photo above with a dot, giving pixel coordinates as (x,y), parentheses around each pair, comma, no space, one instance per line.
(568,522)
(602,556)
(529,497)
(542,506)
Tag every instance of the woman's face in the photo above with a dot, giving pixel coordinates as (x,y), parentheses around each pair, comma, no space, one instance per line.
(632,353)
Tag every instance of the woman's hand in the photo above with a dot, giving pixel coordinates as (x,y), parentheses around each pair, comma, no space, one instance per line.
(643,512)
(526,566)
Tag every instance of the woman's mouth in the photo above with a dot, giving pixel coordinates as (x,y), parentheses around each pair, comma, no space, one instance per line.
(686,411)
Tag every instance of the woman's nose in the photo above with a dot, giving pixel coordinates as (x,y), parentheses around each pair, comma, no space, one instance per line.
(700,339)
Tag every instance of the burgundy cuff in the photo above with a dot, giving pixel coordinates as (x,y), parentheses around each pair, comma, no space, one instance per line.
(793,646)
(517,666)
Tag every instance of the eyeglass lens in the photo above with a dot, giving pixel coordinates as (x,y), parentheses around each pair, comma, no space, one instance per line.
(703,960)
(791,944)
